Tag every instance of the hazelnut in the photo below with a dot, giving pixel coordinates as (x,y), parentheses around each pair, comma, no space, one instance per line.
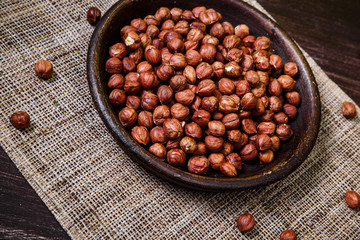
(197,10)
(234,159)
(116,81)
(178,61)
(263,142)
(158,43)
(117,97)
(265,101)
(209,103)
(133,101)
(206,88)
(276,62)
(148,80)
(288,235)
(158,150)
(248,126)
(188,145)
(175,45)
(252,77)
(259,89)
(167,25)
(266,157)
(275,104)
(284,132)
(242,30)
(228,104)
(196,104)
(290,110)
(172,128)
(140,134)
(259,109)
(20,120)
(176,14)
(228,28)
(128,116)
(152,31)
(244,114)
(216,128)
(145,39)
(201,117)
(280,118)
(290,69)
(185,97)
(151,20)
(113,65)
(231,41)
(263,77)
(231,121)
(191,45)
(118,50)
(160,114)
(182,27)
(165,72)
(208,39)
(127,29)
(173,143)
(152,55)
(245,222)
(228,169)
(204,71)
(242,87)
(167,35)
(219,70)
(208,52)
(232,69)
(249,41)
(275,143)
(234,136)
(286,82)
(163,14)
(262,43)
(244,139)
(262,63)
(348,110)
(217,31)
(214,144)
(275,88)
(352,199)
(248,152)
(247,63)
(193,57)
(136,55)
(198,164)
(128,65)
(178,83)
(293,98)
(227,148)
(226,86)
(220,58)
(179,111)
(145,119)
(176,157)
(267,116)
(193,130)
(132,40)
(93,15)
(187,15)
(165,94)
(248,101)
(195,35)
(266,128)
(198,25)
(216,159)
(139,24)
(149,101)
(218,115)
(201,149)
(209,16)
(252,139)
(157,135)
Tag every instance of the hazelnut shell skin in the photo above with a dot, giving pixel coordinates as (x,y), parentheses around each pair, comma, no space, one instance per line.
(20,120)
(43,69)
(245,222)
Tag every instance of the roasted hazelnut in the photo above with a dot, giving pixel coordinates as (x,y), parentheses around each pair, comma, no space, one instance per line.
(175,45)
(244,114)
(228,104)
(176,157)
(242,87)
(245,222)
(190,74)
(132,40)
(152,55)
(157,135)
(264,77)
(252,77)
(228,28)
(165,72)
(262,43)
(195,35)
(267,116)
(139,24)
(133,101)
(232,70)
(193,57)
(248,101)
(216,128)
(144,67)
(209,16)
(234,159)
(252,139)
(149,101)
(173,143)
(176,14)
(209,103)
(216,159)
(178,61)
(93,15)
(140,134)
(152,31)
(226,86)
(249,41)
(208,39)
(172,128)
(262,63)
(242,30)
(288,235)
(136,55)
(198,164)
(116,81)
(290,110)
(218,115)
(293,98)
(352,199)
(128,65)
(208,52)
(275,143)
(178,83)
(196,105)
(284,132)
(280,118)
(113,65)
(265,101)
(127,29)
(266,157)
(248,152)
(169,35)
(158,43)
(182,27)
(118,50)
(234,136)
(151,20)
(231,41)
(290,69)
(263,142)
(220,58)
(158,150)
(165,94)
(185,97)
(348,109)
(259,109)
(214,144)
(247,63)
(167,25)
(244,139)
(132,84)
(204,71)
(160,114)
(20,120)
(201,117)
(117,97)
(231,121)
(163,14)
(201,149)
(266,128)
(276,62)
(248,126)
(275,88)
(145,119)
(286,82)
(191,45)
(227,148)
(219,70)
(198,25)
(275,104)
(217,31)
(145,39)
(188,145)
(197,10)
(228,169)
(179,111)
(193,130)
(206,88)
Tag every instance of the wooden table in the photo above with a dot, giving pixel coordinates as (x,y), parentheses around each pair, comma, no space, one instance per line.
(329,30)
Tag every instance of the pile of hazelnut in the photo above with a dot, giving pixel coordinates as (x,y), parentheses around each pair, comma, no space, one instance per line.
(201,93)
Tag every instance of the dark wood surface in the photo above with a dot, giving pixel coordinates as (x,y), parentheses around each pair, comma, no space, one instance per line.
(329,30)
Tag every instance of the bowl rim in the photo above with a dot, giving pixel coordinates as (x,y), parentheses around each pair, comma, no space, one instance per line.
(172,174)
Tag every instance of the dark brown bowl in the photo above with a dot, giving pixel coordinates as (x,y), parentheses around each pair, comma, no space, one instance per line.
(291,153)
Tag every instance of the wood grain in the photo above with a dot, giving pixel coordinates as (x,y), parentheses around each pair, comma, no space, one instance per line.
(327,29)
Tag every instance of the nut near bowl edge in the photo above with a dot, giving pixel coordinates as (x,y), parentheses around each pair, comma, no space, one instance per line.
(290,155)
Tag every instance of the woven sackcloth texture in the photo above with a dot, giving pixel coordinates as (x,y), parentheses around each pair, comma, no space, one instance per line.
(96,192)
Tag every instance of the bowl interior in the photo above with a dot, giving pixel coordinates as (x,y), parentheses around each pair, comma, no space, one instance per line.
(290,155)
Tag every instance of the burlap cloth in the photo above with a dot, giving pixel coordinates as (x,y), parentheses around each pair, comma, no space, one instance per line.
(95,191)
